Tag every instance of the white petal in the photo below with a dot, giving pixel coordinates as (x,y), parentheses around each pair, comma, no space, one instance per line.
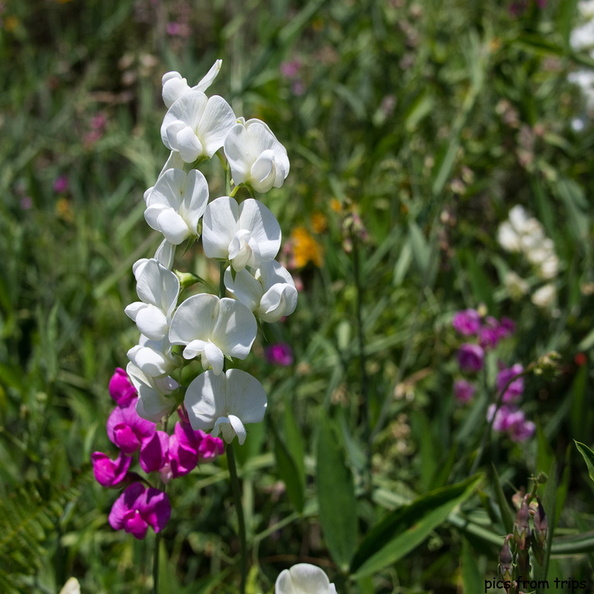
(189,145)
(165,254)
(280,300)
(194,319)
(218,118)
(245,396)
(219,226)
(213,357)
(195,199)
(157,285)
(174,87)
(152,322)
(230,427)
(235,328)
(208,79)
(244,287)
(204,400)
(173,226)
(303,578)
(262,224)
(193,349)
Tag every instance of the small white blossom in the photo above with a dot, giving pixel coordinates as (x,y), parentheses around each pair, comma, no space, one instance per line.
(174,86)
(153,357)
(255,156)
(225,403)
(246,234)
(303,578)
(158,289)
(176,203)
(196,125)
(270,293)
(213,328)
(544,297)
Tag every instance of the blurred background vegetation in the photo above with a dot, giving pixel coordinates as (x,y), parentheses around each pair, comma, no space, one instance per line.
(413,126)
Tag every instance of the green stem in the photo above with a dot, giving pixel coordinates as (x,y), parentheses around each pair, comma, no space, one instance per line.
(236,488)
(156,564)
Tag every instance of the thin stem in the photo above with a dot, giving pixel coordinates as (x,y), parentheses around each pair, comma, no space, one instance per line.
(156,564)
(236,488)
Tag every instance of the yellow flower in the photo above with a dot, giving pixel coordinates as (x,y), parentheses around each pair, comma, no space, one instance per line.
(11,23)
(305,248)
(319,222)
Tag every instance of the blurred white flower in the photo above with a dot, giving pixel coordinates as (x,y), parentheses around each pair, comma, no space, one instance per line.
(269,293)
(246,234)
(158,289)
(213,328)
(225,403)
(196,125)
(255,156)
(516,286)
(544,297)
(71,587)
(152,403)
(174,86)
(176,203)
(303,578)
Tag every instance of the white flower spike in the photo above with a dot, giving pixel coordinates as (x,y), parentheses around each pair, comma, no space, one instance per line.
(270,293)
(158,289)
(303,578)
(176,203)
(246,234)
(196,126)
(174,86)
(213,328)
(255,156)
(225,403)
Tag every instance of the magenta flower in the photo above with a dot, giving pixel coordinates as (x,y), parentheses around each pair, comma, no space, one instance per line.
(279,354)
(516,387)
(108,472)
(120,388)
(470,357)
(139,508)
(511,420)
(187,447)
(464,391)
(210,447)
(61,184)
(127,430)
(154,452)
(467,322)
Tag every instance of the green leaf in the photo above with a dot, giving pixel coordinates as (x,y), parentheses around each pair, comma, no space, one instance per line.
(336,495)
(471,576)
(289,472)
(588,456)
(408,526)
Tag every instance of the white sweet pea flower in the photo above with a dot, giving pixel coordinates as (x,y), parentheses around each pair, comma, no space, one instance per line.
(270,293)
(213,328)
(544,297)
(158,289)
(176,203)
(246,234)
(225,403)
(196,126)
(303,578)
(153,403)
(174,86)
(255,156)
(153,357)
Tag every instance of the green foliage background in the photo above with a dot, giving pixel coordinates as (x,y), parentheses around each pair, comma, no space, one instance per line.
(429,120)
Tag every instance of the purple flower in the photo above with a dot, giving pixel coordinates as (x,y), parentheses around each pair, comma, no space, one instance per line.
(470,357)
(463,390)
(139,507)
(108,472)
(120,388)
(516,387)
(290,69)
(279,354)
(127,430)
(187,447)
(154,452)
(61,184)
(467,322)
(210,447)
(511,420)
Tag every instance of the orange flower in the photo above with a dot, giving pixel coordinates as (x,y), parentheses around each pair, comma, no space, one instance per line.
(305,248)
(319,222)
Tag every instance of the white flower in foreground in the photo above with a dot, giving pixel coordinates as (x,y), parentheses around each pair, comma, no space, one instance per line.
(153,403)
(174,86)
(71,587)
(246,234)
(225,403)
(176,203)
(255,156)
(303,578)
(270,293)
(153,357)
(213,328)
(158,289)
(196,126)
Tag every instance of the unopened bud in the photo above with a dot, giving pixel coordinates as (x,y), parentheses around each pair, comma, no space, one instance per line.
(506,560)
(522,526)
(541,530)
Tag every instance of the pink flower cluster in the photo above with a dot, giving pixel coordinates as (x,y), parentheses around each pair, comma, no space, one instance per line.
(171,456)
(488,332)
